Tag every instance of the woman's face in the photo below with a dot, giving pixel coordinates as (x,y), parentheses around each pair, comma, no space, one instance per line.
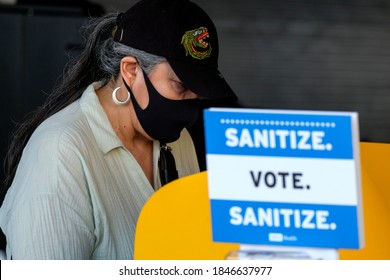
(165,81)
(163,105)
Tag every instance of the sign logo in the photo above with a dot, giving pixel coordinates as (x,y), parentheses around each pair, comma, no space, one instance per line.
(195,44)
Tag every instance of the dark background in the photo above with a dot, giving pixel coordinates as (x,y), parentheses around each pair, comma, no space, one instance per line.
(293,54)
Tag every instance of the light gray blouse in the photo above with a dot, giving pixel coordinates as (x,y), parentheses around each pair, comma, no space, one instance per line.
(78,191)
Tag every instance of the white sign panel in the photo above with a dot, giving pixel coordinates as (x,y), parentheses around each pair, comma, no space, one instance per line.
(288,178)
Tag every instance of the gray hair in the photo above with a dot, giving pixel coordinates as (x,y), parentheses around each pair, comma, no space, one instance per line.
(111,53)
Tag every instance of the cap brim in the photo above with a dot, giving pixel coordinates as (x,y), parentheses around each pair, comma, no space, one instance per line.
(204,81)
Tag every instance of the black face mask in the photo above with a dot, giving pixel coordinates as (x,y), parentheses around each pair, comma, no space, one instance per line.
(163,119)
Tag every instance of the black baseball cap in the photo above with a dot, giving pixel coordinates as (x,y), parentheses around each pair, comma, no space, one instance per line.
(184,34)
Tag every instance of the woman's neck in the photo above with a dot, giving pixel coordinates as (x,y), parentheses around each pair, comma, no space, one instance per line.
(122,119)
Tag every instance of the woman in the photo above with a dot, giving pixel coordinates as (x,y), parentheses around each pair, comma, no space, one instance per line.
(91,153)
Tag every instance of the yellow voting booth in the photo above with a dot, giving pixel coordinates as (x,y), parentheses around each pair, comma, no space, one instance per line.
(175,223)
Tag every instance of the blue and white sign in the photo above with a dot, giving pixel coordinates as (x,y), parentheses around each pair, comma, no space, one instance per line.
(287,178)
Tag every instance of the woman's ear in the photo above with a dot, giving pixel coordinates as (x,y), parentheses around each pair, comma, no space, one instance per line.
(128,69)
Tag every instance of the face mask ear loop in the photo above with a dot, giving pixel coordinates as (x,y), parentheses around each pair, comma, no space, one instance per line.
(129,91)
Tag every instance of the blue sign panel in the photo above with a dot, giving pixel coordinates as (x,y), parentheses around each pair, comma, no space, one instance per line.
(304,225)
(279,135)
(288,178)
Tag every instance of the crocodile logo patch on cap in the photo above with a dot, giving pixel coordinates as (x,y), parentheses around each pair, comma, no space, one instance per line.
(195,44)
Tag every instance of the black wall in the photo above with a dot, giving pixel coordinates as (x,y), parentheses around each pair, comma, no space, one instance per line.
(304,54)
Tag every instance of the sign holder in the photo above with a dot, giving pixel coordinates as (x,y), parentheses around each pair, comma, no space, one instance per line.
(253,252)
(289,180)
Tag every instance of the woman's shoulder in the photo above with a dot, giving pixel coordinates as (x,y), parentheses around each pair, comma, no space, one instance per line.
(47,150)
(64,126)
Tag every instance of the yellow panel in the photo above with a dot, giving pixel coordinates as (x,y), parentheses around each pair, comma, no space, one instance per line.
(375,166)
(175,223)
